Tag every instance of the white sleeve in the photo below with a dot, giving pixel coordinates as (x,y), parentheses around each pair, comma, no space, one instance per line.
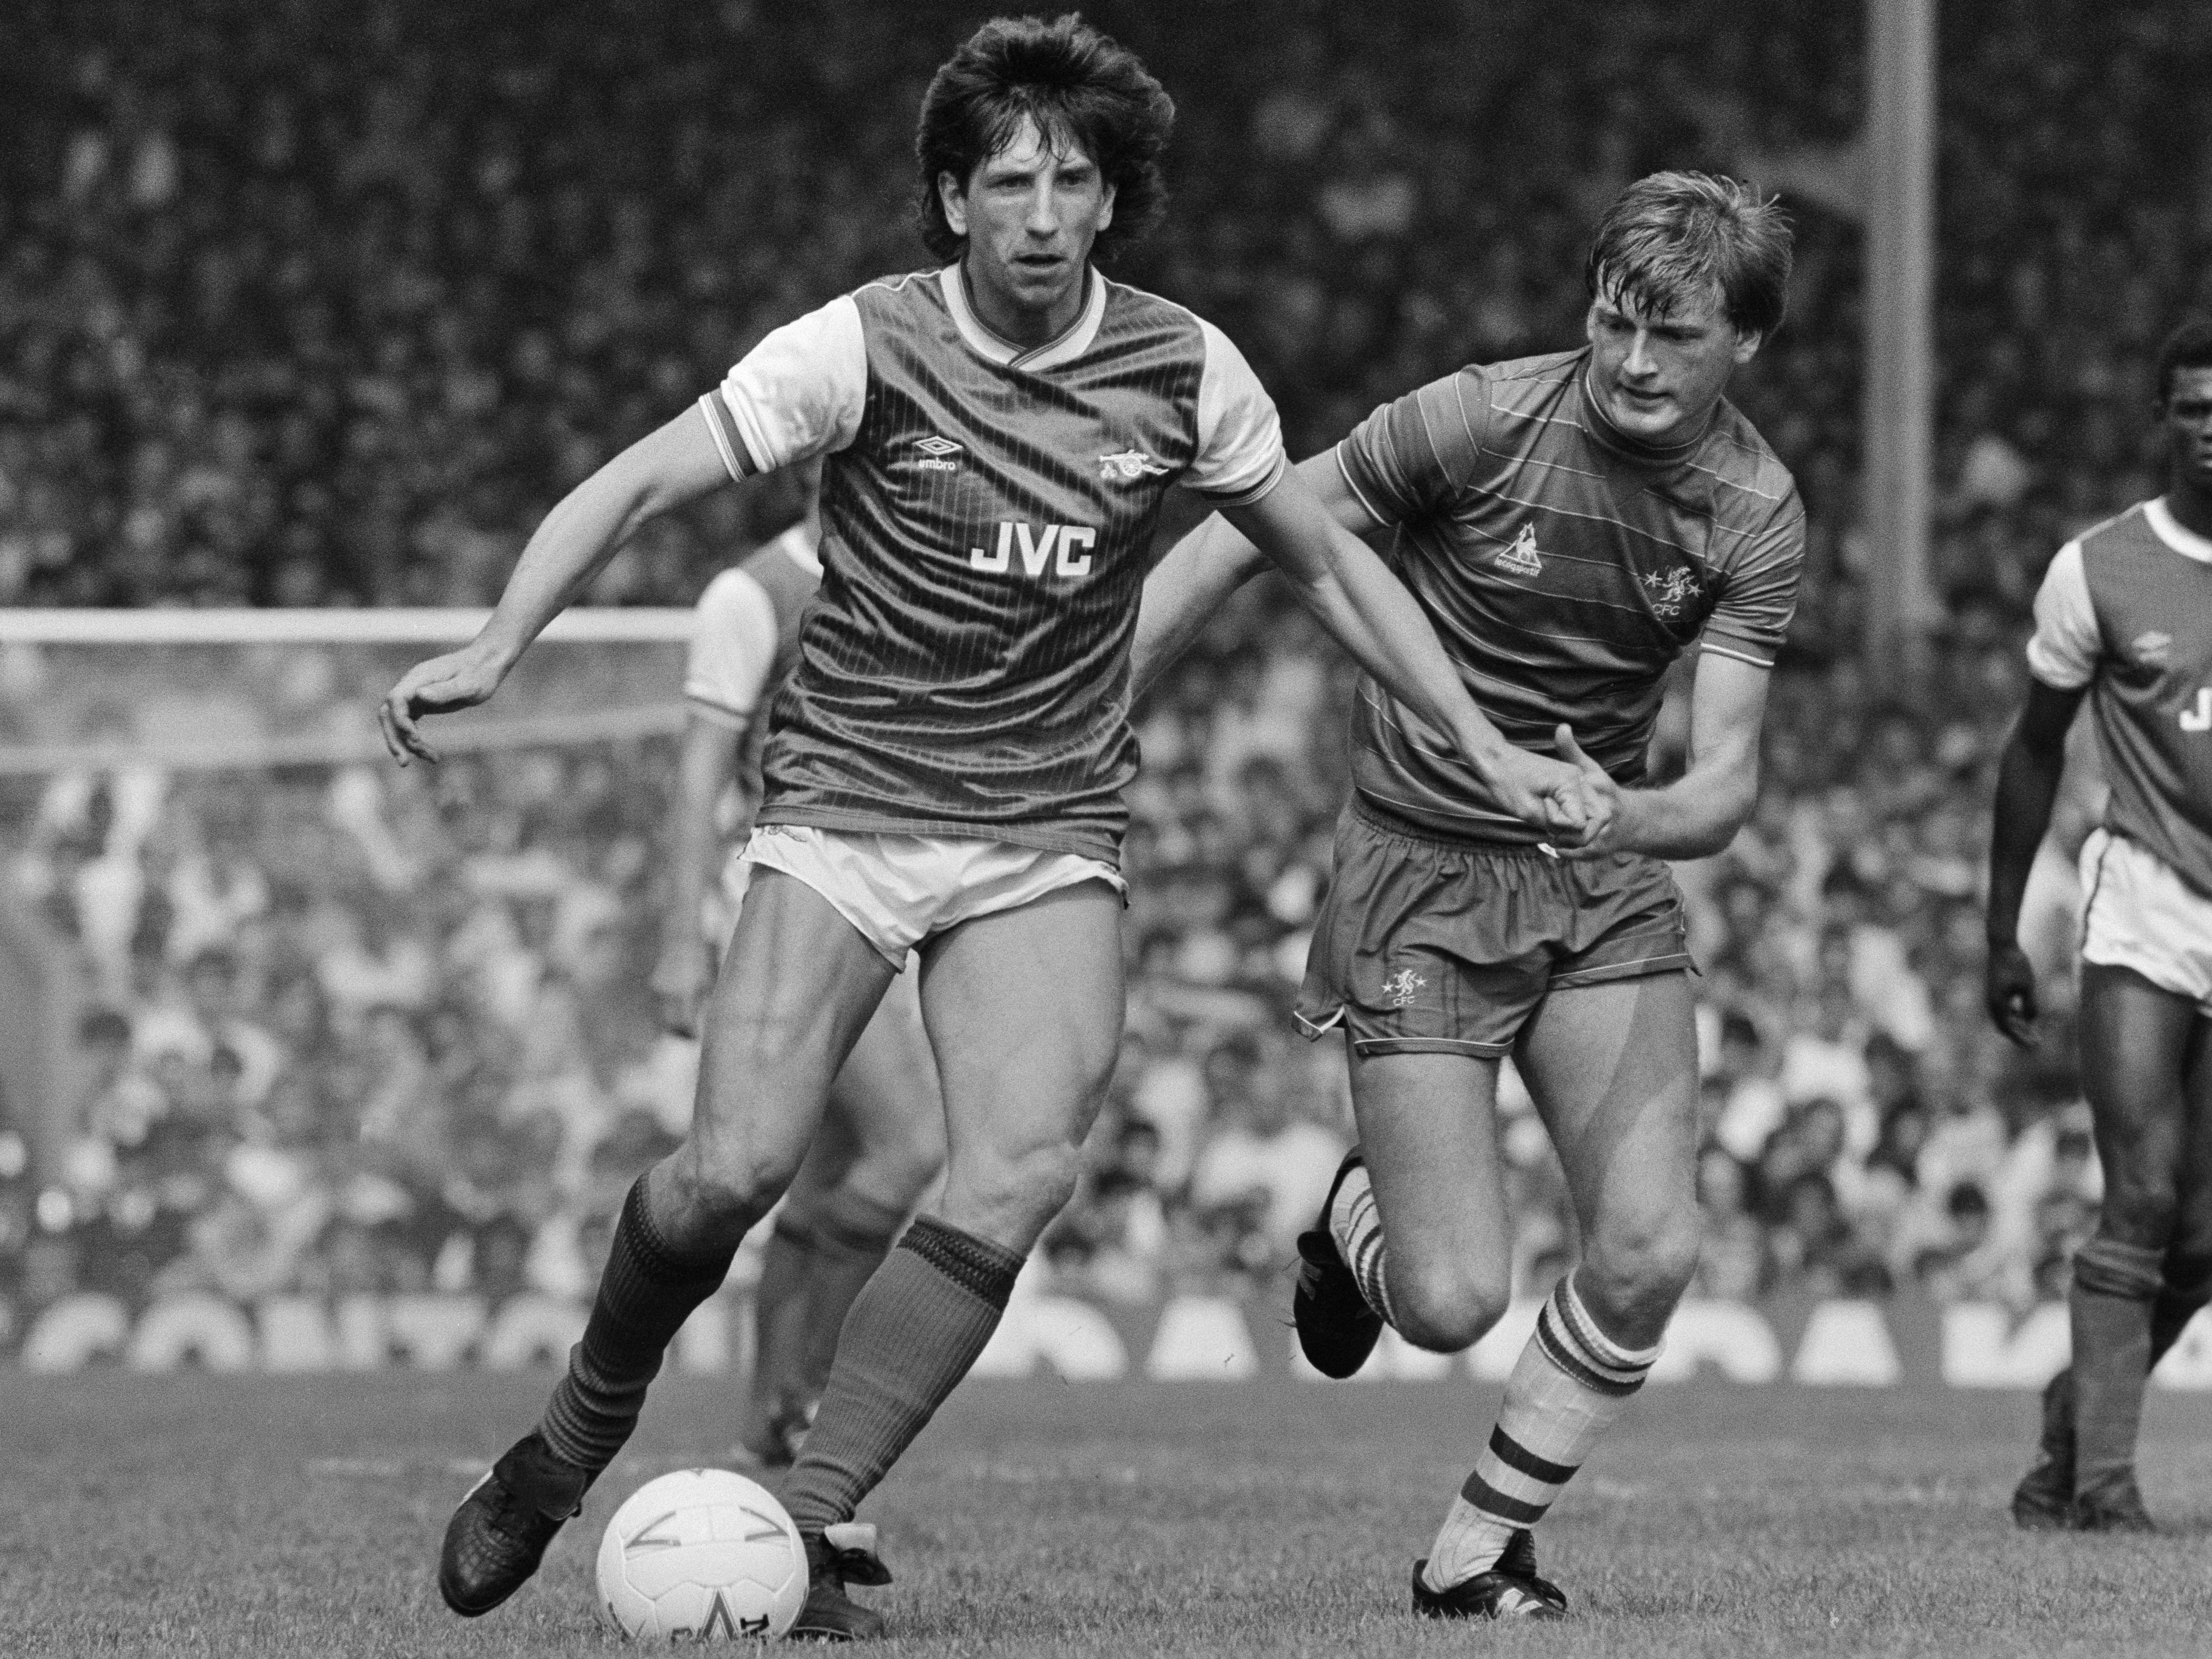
(1240,438)
(2064,652)
(733,650)
(798,393)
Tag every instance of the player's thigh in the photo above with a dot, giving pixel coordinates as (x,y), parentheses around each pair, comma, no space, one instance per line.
(1428,1130)
(1614,1069)
(883,1133)
(2136,1043)
(1024,1009)
(798,986)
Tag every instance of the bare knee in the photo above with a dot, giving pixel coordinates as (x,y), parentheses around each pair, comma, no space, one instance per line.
(897,1168)
(2140,1209)
(1008,1196)
(1450,1306)
(722,1182)
(1634,1276)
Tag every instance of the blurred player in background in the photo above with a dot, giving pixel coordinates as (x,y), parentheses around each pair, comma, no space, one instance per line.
(2125,620)
(1571,524)
(945,764)
(882,1139)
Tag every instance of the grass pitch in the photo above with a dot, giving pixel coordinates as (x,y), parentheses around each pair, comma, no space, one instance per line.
(239,1517)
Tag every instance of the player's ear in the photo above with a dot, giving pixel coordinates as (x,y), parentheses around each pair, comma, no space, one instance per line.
(952,197)
(1748,342)
(1105,207)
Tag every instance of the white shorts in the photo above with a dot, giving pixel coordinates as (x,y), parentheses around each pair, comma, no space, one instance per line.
(2140,914)
(899,890)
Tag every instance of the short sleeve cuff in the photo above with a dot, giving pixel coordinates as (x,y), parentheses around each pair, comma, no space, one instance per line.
(2067,646)
(1347,463)
(2055,671)
(715,713)
(1759,653)
(729,440)
(1232,495)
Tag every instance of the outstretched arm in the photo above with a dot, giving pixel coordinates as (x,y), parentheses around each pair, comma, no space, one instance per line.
(2028,773)
(1190,584)
(666,468)
(1338,578)
(1698,814)
(1183,593)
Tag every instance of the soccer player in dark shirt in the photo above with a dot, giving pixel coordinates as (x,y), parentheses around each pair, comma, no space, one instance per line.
(1571,524)
(2124,621)
(944,764)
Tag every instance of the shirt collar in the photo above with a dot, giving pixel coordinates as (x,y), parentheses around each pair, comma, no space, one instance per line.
(2174,533)
(1069,346)
(1612,437)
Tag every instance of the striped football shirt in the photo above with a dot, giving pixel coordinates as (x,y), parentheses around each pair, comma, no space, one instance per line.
(986,512)
(1565,566)
(2125,610)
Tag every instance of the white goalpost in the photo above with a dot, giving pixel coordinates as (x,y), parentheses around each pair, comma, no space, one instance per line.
(1898,403)
(31,641)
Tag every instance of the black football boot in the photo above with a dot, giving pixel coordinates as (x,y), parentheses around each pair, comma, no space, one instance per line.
(2043,1500)
(1337,1330)
(498,1535)
(1508,1588)
(835,1557)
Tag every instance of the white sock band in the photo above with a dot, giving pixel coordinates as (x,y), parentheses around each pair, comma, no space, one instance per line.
(1355,1226)
(1569,1384)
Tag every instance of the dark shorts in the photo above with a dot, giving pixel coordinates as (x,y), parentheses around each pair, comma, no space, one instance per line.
(1427,946)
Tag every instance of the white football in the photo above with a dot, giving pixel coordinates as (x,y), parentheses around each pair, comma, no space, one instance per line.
(704,1554)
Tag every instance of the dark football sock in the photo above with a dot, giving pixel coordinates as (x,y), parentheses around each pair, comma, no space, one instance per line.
(2114,1285)
(780,1330)
(852,1235)
(912,1334)
(2184,1287)
(646,1293)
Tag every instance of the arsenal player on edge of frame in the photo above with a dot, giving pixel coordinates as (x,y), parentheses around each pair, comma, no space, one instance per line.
(2124,620)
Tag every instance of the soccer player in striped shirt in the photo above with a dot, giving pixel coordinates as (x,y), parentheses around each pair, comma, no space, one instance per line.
(2124,621)
(1571,524)
(945,763)
(882,1139)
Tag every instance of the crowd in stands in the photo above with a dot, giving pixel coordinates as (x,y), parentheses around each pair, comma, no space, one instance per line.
(309,307)
(354,1029)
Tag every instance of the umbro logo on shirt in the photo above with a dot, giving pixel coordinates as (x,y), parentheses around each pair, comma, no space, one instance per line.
(937,450)
(1522,558)
(1128,466)
(2153,649)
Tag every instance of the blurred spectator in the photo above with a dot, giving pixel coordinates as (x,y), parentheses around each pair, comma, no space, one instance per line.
(1813,1247)
(1732,1265)
(1264,1164)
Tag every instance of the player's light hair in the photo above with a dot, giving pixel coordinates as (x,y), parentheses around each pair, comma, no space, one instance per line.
(1671,240)
(1084,92)
(2189,346)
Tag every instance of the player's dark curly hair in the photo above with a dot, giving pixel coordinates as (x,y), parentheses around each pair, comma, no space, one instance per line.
(2189,346)
(1084,92)
(1672,238)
